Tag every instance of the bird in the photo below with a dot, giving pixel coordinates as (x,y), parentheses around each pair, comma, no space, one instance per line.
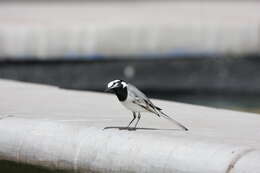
(136,101)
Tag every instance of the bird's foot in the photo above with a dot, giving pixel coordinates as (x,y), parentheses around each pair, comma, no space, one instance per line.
(131,128)
(120,128)
(123,128)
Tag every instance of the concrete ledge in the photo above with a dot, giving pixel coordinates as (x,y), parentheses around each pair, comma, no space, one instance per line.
(88,149)
(62,129)
(247,162)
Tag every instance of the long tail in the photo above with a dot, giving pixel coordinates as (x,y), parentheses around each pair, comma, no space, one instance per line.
(172,120)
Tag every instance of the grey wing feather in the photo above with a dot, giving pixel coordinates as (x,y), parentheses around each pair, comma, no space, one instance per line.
(143,101)
(142,98)
(137,92)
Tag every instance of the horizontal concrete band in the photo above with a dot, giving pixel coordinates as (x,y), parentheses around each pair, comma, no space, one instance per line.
(123,29)
(129,41)
(56,145)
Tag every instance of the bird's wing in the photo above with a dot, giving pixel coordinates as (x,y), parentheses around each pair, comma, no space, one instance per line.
(142,100)
(136,92)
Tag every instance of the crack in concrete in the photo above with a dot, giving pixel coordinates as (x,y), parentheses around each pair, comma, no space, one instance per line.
(237,158)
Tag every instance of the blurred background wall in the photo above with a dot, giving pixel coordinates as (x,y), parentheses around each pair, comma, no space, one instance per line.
(203,52)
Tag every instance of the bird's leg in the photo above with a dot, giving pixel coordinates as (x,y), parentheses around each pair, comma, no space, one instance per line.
(138,118)
(134,117)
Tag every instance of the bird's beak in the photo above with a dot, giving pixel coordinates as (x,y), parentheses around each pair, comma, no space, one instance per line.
(108,89)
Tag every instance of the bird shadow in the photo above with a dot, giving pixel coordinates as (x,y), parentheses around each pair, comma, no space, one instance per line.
(137,128)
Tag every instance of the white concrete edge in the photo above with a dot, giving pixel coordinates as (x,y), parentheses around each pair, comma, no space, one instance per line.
(56,145)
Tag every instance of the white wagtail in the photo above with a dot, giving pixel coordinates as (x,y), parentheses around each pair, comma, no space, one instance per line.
(136,101)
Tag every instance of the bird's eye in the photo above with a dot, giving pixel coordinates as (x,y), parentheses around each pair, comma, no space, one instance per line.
(115,84)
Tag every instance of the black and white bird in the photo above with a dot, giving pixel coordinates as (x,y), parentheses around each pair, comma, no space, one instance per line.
(136,101)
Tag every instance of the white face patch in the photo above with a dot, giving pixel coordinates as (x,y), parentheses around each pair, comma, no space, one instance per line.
(112,83)
(124,84)
(115,83)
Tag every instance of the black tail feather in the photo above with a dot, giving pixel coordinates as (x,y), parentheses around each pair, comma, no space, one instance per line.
(172,120)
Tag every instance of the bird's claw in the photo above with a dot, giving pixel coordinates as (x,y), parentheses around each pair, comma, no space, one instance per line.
(131,128)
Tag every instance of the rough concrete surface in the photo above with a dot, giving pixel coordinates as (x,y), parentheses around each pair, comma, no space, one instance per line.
(64,129)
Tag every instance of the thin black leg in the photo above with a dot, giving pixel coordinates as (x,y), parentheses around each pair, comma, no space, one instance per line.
(134,117)
(138,118)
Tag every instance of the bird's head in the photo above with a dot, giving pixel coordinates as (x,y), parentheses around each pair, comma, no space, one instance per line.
(116,85)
